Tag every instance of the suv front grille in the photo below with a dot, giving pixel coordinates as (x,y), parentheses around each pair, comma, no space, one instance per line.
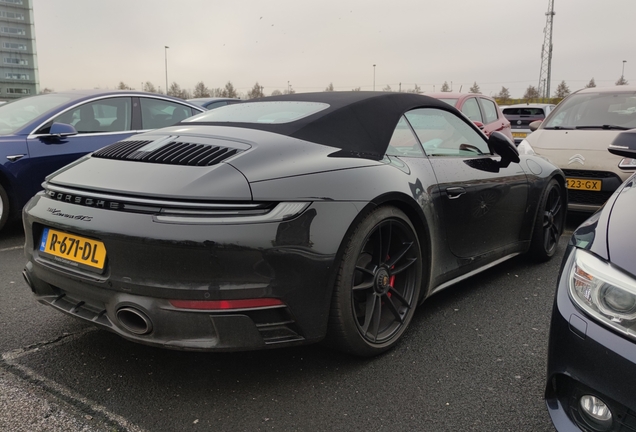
(172,153)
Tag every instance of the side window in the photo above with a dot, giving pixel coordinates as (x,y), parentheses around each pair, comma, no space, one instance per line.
(158,113)
(104,115)
(490,110)
(403,142)
(471,110)
(444,134)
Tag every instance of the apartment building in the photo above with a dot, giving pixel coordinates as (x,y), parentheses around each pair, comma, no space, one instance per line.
(18,64)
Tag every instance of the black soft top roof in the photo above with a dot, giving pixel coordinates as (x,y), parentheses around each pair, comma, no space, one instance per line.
(359,123)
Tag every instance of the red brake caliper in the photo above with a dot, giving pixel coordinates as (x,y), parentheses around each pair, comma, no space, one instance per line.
(391,280)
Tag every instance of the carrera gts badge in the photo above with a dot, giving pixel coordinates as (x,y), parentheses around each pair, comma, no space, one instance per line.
(58,212)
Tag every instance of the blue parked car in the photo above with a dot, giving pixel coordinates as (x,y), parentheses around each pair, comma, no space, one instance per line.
(40,134)
(592,349)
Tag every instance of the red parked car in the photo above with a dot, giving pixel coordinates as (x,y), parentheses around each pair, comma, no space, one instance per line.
(482,110)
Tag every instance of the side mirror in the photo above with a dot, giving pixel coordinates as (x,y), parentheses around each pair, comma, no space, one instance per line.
(625,145)
(535,125)
(504,147)
(60,130)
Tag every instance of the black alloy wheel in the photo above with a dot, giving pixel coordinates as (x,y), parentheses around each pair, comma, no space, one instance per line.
(378,284)
(549,223)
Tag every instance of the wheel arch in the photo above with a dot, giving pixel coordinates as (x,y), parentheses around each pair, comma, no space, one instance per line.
(560,178)
(8,188)
(417,217)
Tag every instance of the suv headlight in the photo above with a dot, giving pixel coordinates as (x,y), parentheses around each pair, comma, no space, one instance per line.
(603,291)
(525,148)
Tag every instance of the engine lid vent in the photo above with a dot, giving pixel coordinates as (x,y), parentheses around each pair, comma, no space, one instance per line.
(169,152)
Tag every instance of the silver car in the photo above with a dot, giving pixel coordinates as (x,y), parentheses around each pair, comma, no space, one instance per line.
(575,137)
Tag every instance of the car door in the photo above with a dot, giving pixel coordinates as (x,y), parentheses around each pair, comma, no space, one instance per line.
(98,123)
(492,122)
(470,108)
(482,202)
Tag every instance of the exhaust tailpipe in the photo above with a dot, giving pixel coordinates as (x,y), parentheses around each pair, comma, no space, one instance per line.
(134,321)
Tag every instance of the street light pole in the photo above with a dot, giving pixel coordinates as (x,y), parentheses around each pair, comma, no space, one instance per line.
(165,50)
(373,77)
(623,72)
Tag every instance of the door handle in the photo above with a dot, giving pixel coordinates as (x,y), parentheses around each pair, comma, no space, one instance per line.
(455,192)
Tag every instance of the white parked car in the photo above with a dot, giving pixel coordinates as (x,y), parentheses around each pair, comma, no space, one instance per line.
(575,137)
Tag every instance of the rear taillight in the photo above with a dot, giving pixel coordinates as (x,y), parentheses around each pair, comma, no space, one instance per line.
(226,304)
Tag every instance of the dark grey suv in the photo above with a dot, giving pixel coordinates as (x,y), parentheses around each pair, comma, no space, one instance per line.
(521,115)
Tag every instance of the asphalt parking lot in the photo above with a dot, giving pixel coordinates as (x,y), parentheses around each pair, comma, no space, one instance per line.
(473,359)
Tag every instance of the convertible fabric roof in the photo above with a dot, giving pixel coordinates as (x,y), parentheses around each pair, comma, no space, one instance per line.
(359,123)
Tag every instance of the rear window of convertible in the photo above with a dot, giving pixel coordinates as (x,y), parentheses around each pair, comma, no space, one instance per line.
(260,112)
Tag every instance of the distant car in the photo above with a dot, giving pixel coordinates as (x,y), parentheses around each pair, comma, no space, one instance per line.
(591,373)
(521,115)
(34,141)
(481,109)
(213,102)
(575,137)
(286,220)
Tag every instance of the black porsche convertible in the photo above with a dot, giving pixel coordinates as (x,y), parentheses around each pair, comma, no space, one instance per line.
(287,220)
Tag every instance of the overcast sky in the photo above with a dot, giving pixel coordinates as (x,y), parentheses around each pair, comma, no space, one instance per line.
(310,44)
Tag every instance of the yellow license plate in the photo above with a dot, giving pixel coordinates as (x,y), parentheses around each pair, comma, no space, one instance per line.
(519,134)
(73,250)
(584,184)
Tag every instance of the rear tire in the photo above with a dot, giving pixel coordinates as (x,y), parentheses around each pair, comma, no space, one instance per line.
(4,207)
(377,286)
(549,223)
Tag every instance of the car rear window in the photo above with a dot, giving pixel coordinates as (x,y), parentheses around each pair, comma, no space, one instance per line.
(260,112)
(534,112)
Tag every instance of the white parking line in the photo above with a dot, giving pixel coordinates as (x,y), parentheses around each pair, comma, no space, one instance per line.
(58,390)
(11,248)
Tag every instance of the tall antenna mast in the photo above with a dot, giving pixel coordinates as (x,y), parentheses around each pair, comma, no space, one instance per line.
(546,53)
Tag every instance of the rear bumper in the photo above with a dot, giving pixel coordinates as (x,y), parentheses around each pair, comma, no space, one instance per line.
(586,358)
(149,264)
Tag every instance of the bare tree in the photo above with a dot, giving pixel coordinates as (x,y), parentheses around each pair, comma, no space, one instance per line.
(174,90)
(621,81)
(562,90)
(416,89)
(445,87)
(387,88)
(200,90)
(256,92)
(531,93)
(46,90)
(123,86)
(289,90)
(475,88)
(504,95)
(329,88)
(277,93)
(149,87)
(591,84)
(229,90)
(356,89)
